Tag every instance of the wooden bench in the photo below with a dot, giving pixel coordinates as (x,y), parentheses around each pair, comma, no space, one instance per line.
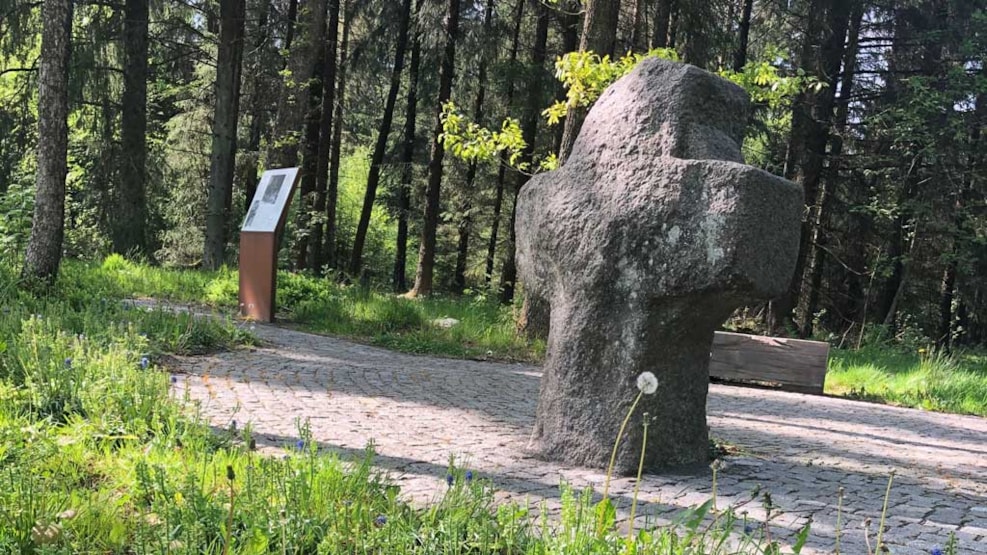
(788,364)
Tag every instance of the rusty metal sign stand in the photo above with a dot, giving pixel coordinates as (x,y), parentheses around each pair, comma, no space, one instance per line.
(260,237)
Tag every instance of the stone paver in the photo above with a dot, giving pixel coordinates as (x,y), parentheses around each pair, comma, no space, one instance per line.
(419,411)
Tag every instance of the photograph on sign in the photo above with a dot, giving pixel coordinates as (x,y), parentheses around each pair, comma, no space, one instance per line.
(270,200)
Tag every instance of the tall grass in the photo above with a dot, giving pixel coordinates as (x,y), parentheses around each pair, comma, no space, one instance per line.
(938,382)
(100,452)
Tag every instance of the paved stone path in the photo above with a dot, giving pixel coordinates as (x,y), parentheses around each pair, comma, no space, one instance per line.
(419,411)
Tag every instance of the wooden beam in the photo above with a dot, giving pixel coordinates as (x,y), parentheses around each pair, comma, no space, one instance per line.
(791,364)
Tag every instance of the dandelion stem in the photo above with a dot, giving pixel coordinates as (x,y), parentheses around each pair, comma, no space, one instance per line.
(884,513)
(616,444)
(839,515)
(637,483)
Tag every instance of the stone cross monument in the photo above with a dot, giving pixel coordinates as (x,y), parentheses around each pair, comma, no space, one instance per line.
(643,243)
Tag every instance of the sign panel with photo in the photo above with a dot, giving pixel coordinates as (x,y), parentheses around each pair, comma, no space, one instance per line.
(270,200)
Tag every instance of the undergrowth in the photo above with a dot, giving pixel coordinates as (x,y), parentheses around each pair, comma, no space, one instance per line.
(101,452)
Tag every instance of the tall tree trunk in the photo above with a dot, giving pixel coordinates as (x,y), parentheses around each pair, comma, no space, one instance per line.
(229,57)
(407,161)
(639,30)
(294,99)
(258,118)
(529,129)
(944,331)
(694,28)
(130,221)
(740,56)
(813,280)
(599,36)
(380,148)
(663,13)
(570,19)
(830,58)
(462,249)
(310,150)
(317,251)
(820,55)
(332,188)
(426,251)
(502,169)
(44,248)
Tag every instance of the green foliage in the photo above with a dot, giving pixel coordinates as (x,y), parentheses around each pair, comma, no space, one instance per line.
(585,75)
(766,84)
(469,141)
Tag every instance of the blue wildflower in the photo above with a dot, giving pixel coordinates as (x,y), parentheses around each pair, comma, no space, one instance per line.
(469,476)
(748,529)
(935,551)
(300,444)
(174,379)
(145,362)
(68,362)
(450,479)
(380,521)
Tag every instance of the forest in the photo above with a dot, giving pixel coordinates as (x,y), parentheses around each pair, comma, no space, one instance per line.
(140,128)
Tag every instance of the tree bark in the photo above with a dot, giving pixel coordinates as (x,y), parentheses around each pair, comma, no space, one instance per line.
(466,220)
(599,36)
(380,147)
(258,119)
(639,30)
(502,168)
(228,66)
(317,251)
(44,248)
(332,187)
(663,13)
(820,55)
(310,150)
(130,221)
(407,161)
(426,252)
(740,57)
(529,129)
(294,98)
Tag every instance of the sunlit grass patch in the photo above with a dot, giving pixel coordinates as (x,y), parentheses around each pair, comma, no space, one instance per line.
(955,383)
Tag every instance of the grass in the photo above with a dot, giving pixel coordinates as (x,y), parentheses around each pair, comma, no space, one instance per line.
(878,372)
(884,374)
(101,453)
(485,328)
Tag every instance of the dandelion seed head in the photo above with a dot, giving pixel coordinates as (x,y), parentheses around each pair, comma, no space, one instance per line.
(647,383)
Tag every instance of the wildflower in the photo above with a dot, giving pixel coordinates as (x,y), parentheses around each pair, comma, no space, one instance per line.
(647,383)
(469,476)
(68,362)
(748,529)
(145,362)
(936,551)
(300,444)
(380,521)
(450,479)
(174,379)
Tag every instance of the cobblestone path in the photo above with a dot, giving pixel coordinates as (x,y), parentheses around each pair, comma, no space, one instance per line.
(419,411)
